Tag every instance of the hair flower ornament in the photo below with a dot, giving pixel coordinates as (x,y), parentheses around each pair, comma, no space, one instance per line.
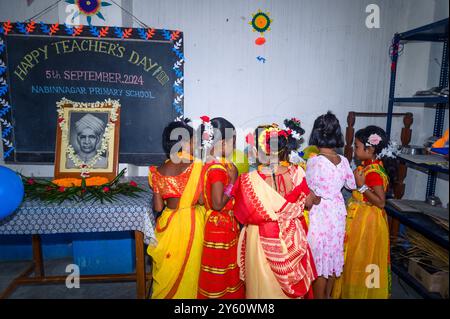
(391,151)
(373,140)
(293,127)
(283,133)
(270,132)
(296,135)
(250,139)
(208,134)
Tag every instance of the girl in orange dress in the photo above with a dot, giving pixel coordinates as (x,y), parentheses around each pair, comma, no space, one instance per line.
(219,274)
(179,229)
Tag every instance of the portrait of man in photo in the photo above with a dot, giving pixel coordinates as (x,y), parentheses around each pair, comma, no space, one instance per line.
(86,133)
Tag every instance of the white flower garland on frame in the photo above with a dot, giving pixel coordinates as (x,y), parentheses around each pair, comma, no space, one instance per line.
(86,167)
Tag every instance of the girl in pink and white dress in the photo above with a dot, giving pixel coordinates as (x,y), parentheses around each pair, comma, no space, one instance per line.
(326,175)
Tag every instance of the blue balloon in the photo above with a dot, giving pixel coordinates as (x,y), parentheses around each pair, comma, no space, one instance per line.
(11,191)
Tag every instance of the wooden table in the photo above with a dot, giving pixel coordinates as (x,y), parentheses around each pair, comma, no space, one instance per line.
(36,218)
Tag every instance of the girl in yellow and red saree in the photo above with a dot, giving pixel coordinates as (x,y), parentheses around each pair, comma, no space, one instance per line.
(366,245)
(179,229)
(274,257)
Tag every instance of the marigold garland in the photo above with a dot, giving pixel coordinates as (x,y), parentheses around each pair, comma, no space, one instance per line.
(91,181)
(67,182)
(93,188)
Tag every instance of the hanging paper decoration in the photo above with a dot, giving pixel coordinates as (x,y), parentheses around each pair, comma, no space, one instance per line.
(260,41)
(261,59)
(260,23)
(89,8)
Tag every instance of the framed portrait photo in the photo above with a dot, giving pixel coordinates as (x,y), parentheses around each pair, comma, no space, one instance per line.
(87,139)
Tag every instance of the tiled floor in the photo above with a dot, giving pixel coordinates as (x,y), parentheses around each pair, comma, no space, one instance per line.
(9,270)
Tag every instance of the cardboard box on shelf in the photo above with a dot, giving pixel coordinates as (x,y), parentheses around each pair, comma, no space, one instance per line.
(432,280)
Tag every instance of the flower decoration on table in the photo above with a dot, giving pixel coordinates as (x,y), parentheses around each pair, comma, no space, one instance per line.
(89,8)
(91,181)
(74,189)
(107,135)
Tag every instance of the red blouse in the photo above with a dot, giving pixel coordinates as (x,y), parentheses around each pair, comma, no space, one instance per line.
(373,178)
(215,174)
(169,186)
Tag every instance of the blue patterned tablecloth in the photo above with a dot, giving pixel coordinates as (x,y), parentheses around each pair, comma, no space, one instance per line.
(124,214)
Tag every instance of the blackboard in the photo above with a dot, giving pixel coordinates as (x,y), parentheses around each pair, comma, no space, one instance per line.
(144,71)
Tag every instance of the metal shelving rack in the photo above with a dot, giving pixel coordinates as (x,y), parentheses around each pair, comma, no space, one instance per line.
(434,32)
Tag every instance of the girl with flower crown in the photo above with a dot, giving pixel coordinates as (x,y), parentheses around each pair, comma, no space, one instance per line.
(274,256)
(179,227)
(367,234)
(219,273)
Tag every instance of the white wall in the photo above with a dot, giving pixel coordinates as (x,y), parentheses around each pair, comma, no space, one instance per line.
(320,56)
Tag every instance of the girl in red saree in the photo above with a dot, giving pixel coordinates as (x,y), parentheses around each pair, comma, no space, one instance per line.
(219,273)
(273,254)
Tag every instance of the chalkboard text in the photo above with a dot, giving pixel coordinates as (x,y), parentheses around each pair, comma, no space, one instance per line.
(82,90)
(94,76)
(34,57)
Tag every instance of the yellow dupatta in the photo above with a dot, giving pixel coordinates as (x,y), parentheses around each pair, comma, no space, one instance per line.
(367,273)
(179,235)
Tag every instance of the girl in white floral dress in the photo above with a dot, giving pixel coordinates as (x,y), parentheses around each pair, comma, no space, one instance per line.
(326,175)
